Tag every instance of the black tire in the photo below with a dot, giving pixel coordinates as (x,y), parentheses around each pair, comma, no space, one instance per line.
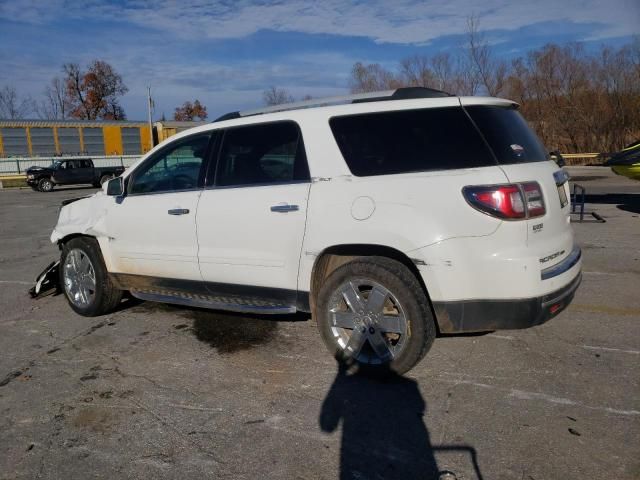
(106,296)
(45,185)
(402,284)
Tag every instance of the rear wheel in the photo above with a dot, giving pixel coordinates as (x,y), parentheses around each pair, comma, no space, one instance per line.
(84,278)
(45,185)
(104,179)
(373,311)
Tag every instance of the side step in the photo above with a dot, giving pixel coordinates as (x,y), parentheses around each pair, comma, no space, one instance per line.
(214,302)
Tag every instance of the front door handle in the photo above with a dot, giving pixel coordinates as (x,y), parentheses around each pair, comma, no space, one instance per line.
(178,211)
(284,207)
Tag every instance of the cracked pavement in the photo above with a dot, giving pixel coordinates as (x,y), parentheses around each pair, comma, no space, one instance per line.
(169,392)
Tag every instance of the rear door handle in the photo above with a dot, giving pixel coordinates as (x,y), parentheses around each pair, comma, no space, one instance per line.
(178,211)
(284,207)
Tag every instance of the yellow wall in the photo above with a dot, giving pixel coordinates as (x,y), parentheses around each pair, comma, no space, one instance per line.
(112,140)
(166,133)
(29,140)
(55,140)
(145,139)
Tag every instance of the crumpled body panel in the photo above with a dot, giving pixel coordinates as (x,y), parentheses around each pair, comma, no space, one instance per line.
(85,217)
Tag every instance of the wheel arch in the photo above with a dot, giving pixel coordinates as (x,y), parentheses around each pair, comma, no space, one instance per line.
(334,256)
(102,242)
(71,236)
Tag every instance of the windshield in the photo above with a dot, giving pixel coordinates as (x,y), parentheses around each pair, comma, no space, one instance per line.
(55,165)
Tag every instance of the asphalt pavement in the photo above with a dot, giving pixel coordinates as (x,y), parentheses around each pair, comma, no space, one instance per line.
(164,392)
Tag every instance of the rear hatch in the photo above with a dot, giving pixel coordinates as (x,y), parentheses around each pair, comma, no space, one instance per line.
(523,159)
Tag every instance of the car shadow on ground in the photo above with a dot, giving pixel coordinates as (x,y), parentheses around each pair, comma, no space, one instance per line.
(227,332)
(628,202)
(384,434)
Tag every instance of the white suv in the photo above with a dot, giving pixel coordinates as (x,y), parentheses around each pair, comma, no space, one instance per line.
(388,216)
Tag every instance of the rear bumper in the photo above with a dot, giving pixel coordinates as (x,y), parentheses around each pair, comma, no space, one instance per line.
(486,315)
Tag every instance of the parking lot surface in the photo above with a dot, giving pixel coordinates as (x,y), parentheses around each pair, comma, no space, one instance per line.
(156,391)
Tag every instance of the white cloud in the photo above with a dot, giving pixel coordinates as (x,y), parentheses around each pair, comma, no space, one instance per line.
(145,27)
(399,21)
(222,87)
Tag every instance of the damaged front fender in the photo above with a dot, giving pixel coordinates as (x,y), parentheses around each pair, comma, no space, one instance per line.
(85,216)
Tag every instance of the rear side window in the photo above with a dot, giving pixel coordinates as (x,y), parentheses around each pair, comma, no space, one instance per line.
(409,141)
(262,154)
(508,134)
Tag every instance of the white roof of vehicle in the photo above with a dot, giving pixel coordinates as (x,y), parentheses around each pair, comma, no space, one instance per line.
(327,107)
(313,115)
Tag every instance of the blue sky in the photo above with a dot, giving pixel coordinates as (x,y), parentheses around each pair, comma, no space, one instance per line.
(225,53)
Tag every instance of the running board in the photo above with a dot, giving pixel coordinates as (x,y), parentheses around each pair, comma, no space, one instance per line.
(232,304)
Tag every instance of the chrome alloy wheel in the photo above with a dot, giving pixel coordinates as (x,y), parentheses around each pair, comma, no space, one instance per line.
(367,321)
(79,278)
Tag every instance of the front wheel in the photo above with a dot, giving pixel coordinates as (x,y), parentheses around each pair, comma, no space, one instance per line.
(373,311)
(84,278)
(45,185)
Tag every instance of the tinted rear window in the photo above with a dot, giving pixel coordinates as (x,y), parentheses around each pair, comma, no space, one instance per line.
(384,143)
(508,134)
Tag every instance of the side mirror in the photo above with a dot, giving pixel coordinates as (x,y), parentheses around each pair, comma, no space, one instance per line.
(115,187)
(559,159)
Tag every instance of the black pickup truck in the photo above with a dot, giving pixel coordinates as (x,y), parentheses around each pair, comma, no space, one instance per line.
(70,172)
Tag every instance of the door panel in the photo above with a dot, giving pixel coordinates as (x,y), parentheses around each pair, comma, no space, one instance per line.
(251,224)
(243,240)
(64,174)
(84,172)
(149,237)
(153,228)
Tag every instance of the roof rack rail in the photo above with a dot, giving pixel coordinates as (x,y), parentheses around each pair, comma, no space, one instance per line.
(405,93)
(227,116)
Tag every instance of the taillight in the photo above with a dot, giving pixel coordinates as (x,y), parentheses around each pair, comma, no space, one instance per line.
(533,199)
(509,202)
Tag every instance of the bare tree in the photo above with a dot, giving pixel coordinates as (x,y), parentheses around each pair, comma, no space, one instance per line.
(443,73)
(75,91)
(276,96)
(576,102)
(372,77)
(54,106)
(12,105)
(416,71)
(484,70)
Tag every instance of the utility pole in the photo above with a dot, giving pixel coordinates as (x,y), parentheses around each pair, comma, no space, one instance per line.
(149,105)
